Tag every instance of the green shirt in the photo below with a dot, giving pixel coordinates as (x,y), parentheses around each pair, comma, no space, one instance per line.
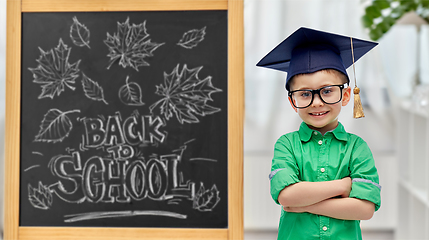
(306,155)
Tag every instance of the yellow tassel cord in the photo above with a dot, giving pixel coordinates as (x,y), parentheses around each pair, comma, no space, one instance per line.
(357,109)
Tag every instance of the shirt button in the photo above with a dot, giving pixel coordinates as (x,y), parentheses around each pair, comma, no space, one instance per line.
(322,169)
(315,133)
(325,228)
(320,142)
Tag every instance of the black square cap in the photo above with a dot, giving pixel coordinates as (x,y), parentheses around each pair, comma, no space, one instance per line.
(308,50)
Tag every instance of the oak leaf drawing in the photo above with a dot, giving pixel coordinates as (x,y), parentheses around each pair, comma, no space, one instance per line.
(79,33)
(131,94)
(92,89)
(185,95)
(206,200)
(54,71)
(40,197)
(192,37)
(55,126)
(130,45)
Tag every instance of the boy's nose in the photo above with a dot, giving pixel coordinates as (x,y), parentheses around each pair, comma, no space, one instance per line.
(317,102)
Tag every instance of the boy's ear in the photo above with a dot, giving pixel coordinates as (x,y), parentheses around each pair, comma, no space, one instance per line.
(346,96)
(290,101)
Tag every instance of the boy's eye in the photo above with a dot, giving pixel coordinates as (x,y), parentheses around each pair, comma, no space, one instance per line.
(305,94)
(326,91)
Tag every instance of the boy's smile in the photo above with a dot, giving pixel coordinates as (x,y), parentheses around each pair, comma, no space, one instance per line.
(319,115)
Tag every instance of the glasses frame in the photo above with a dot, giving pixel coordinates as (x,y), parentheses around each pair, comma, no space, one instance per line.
(317,91)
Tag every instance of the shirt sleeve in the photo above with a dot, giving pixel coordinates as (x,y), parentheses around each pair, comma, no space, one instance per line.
(284,170)
(365,181)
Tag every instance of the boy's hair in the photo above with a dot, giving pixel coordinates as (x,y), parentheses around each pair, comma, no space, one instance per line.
(344,78)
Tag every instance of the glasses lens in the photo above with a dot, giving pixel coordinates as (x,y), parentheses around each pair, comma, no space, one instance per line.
(331,94)
(302,98)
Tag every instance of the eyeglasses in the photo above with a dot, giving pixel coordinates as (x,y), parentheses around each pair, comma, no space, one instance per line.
(330,95)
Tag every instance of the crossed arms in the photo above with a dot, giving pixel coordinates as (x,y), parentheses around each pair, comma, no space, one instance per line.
(330,198)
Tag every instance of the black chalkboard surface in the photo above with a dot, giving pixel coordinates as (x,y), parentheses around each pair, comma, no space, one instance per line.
(124,119)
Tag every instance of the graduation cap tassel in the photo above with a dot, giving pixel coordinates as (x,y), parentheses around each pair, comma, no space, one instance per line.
(357,109)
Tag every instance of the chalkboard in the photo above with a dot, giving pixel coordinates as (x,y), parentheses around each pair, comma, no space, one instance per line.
(124,119)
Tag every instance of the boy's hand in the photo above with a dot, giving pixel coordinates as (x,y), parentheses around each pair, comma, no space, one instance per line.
(295,209)
(347,186)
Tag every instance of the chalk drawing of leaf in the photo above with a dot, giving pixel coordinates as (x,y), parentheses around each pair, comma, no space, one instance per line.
(79,33)
(192,37)
(54,71)
(130,45)
(40,197)
(185,95)
(206,200)
(92,89)
(131,94)
(55,126)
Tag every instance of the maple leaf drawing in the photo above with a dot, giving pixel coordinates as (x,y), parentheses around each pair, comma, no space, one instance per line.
(40,197)
(55,126)
(54,71)
(206,200)
(185,95)
(130,45)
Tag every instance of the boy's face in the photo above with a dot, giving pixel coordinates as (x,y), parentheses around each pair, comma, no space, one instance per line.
(319,115)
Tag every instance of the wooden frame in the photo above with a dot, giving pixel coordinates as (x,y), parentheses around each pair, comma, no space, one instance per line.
(15,8)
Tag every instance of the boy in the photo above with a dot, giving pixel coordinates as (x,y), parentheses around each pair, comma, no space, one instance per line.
(324,177)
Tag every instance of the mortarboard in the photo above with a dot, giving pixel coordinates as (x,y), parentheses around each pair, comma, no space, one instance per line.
(308,50)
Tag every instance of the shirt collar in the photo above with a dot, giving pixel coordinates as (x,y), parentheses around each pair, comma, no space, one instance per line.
(305,132)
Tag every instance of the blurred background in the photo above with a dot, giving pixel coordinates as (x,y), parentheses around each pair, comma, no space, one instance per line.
(394,83)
